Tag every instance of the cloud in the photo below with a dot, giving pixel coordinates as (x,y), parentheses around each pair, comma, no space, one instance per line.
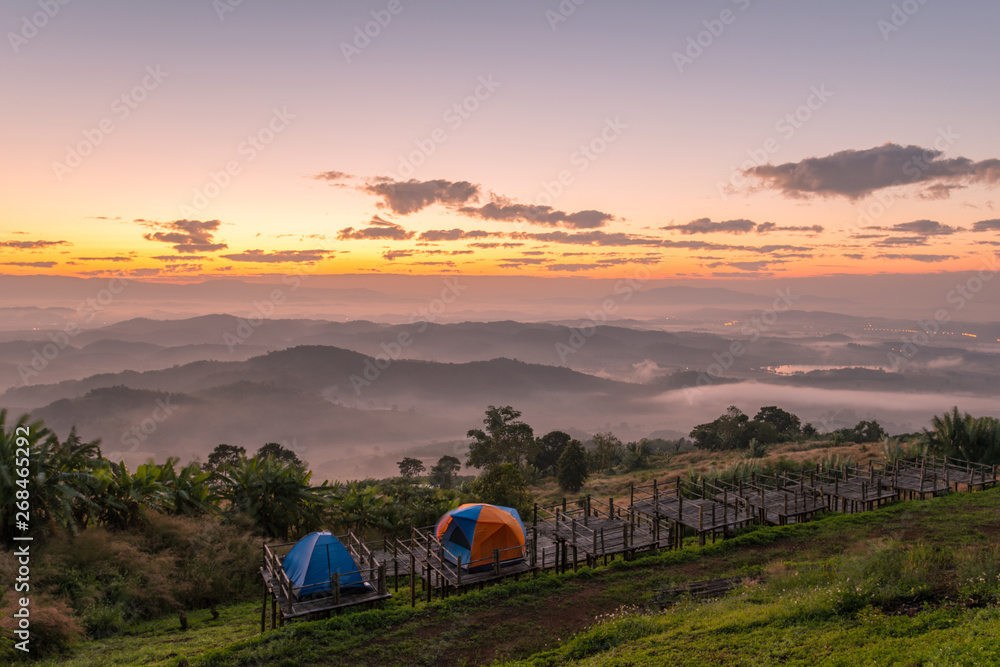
(924,228)
(187,236)
(572,267)
(767,227)
(918,257)
(455,234)
(332,176)
(901,240)
(405,197)
(37,265)
(854,174)
(280,256)
(706,226)
(539,215)
(595,238)
(107,259)
(31,245)
(379,229)
(986,226)
(393,255)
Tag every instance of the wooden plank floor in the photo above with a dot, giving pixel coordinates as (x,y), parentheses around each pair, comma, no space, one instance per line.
(781,507)
(348,598)
(714,516)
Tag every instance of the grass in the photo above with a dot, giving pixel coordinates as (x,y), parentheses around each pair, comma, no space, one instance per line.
(163,643)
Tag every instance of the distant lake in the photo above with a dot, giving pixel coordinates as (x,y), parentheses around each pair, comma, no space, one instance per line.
(790,369)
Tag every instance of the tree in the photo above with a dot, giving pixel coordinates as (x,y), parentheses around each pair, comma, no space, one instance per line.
(55,477)
(727,432)
(787,425)
(965,437)
(276,496)
(637,455)
(572,467)
(809,431)
(443,473)
(225,456)
(410,467)
(279,453)
(547,450)
(868,431)
(608,451)
(502,484)
(505,439)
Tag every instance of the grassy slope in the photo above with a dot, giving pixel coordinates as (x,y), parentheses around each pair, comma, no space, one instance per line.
(553,620)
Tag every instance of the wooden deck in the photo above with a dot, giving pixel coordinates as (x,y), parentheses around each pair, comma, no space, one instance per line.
(287,605)
(659,515)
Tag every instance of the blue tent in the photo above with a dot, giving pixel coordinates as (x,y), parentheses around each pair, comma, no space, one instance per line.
(313,561)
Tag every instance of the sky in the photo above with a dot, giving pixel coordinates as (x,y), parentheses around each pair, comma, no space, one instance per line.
(194,139)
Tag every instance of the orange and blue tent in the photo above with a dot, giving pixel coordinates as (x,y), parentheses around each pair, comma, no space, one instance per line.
(471,532)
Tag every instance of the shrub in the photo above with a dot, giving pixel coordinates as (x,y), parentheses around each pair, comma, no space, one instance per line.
(53,627)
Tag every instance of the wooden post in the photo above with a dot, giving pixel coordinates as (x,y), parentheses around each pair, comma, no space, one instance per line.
(458,572)
(496,562)
(263,609)
(430,583)
(413,580)
(382,588)
(336,587)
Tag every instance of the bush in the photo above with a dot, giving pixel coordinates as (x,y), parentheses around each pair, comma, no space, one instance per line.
(104,620)
(53,627)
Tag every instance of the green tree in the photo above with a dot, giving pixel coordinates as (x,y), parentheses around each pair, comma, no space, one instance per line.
(225,456)
(124,498)
(964,437)
(505,439)
(502,484)
(277,497)
(869,431)
(608,452)
(358,507)
(572,467)
(189,489)
(280,453)
(787,425)
(547,450)
(443,472)
(410,467)
(58,479)
(637,455)
(727,432)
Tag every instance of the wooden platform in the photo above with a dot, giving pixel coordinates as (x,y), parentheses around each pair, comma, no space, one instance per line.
(287,605)
(299,608)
